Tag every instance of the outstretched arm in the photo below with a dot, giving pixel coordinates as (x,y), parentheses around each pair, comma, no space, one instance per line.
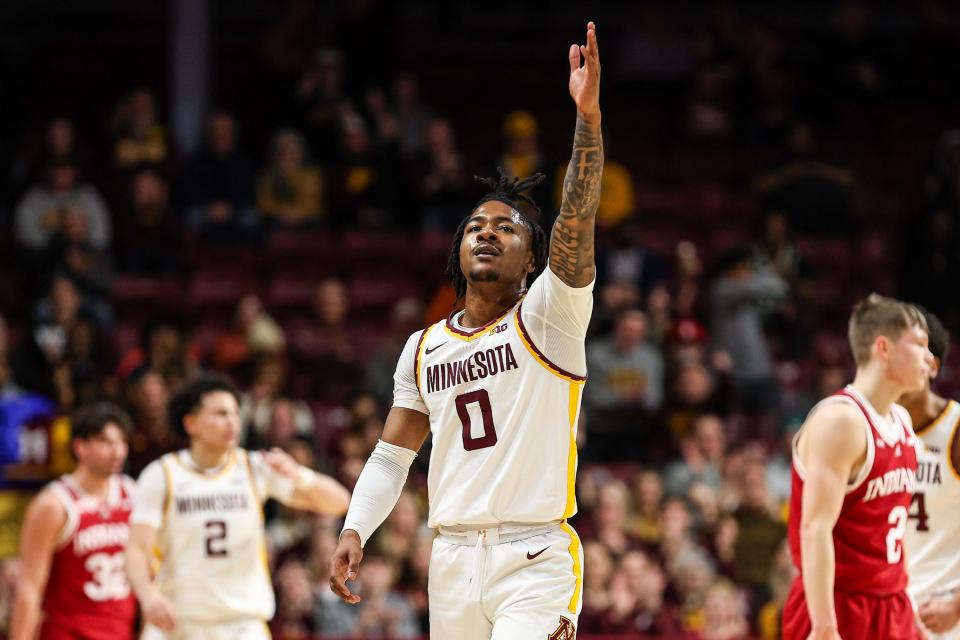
(571,242)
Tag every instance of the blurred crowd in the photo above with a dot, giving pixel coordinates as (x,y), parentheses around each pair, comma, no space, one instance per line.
(301,269)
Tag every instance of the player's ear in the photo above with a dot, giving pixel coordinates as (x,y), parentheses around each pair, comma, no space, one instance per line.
(935,369)
(881,346)
(188,421)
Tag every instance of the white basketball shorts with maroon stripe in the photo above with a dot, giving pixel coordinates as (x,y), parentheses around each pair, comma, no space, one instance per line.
(506,582)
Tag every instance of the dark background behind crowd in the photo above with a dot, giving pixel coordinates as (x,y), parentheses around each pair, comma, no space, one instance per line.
(268,189)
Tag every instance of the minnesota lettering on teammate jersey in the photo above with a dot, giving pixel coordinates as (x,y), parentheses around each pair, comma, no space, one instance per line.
(929,472)
(477,366)
(897,480)
(213,502)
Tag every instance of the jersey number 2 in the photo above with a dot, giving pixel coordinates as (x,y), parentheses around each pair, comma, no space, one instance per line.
(482,399)
(898,518)
(216,533)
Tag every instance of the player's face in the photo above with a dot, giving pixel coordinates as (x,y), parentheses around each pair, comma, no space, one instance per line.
(495,245)
(910,361)
(215,424)
(103,454)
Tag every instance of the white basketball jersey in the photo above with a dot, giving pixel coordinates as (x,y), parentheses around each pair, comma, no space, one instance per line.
(213,555)
(504,423)
(934,531)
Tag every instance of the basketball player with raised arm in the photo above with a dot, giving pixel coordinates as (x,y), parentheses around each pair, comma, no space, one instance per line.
(854,470)
(933,562)
(72,585)
(200,510)
(499,385)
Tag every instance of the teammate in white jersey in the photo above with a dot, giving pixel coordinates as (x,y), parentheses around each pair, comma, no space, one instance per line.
(931,540)
(200,511)
(499,386)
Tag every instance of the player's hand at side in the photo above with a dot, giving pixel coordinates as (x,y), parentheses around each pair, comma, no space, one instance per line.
(344,565)
(585,80)
(158,611)
(281,462)
(829,633)
(940,614)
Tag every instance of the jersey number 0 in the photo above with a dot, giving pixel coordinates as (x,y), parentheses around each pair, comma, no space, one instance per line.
(482,399)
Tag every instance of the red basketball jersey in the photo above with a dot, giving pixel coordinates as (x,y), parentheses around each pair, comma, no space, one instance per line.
(868,534)
(87,594)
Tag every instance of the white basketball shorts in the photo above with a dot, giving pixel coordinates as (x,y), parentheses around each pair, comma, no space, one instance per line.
(505,583)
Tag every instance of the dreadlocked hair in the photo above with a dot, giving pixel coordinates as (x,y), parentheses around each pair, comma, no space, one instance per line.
(510,191)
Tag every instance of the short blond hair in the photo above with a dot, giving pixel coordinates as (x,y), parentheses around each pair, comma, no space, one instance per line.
(878,315)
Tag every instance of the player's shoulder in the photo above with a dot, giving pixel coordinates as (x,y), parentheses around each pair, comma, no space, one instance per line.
(835,420)
(49,505)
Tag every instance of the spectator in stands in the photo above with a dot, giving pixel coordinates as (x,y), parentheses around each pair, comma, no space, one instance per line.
(139,137)
(781,575)
(740,297)
(703,458)
(523,157)
(625,258)
(290,190)
(648,488)
(596,584)
(258,404)
(627,375)
(814,194)
(694,390)
(163,348)
(692,572)
(320,101)
(442,182)
(611,517)
(327,342)
(42,362)
(406,316)
(58,144)
(724,613)
(254,334)
(294,594)
(219,179)
(41,212)
(149,233)
(761,533)
(413,118)
(71,252)
(383,612)
(147,395)
(363,190)
(637,600)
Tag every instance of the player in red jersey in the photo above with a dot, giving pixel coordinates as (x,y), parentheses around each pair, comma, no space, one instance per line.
(854,469)
(72,584)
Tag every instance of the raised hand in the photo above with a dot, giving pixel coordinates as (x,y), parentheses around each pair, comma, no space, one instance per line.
(585,80)
(281,462)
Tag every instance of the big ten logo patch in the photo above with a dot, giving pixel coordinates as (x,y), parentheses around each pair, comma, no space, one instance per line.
(500,328)
(566,631)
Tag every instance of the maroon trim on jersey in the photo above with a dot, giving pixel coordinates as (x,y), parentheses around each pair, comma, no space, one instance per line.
(416,360)
(472,332)
(544,359)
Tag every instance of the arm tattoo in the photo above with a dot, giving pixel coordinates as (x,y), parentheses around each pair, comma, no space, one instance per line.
(571,243)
